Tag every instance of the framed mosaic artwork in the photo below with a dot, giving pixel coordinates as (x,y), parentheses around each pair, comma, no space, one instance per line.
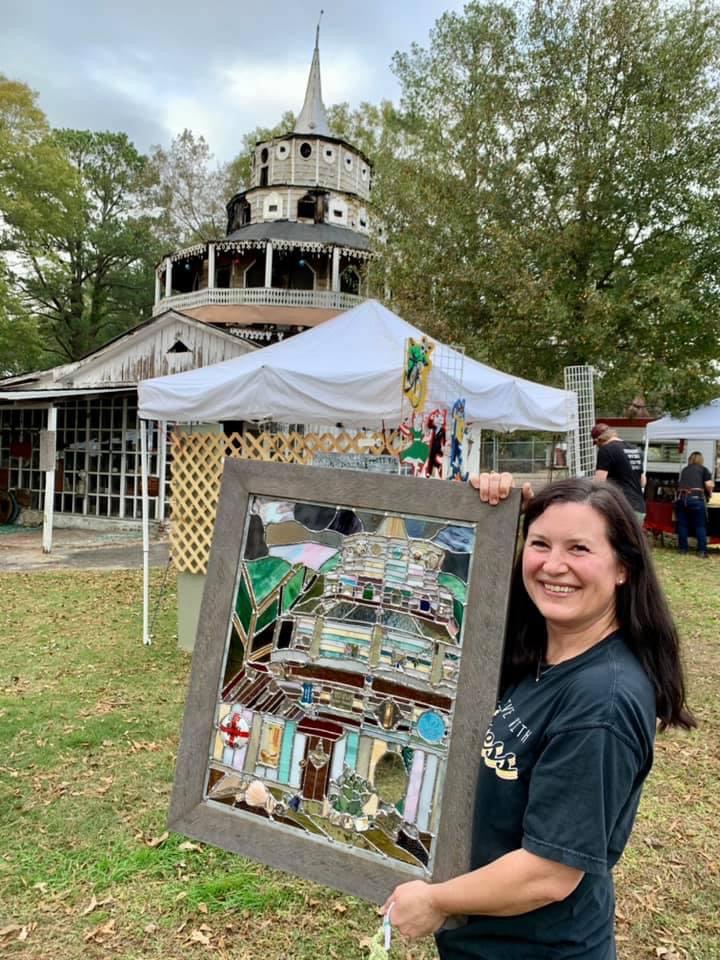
(344,673)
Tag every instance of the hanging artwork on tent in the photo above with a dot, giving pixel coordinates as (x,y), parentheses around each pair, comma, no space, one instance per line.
(425,453)
(345,671)
(418,364)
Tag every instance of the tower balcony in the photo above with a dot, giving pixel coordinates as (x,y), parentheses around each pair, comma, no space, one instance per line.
(258,296)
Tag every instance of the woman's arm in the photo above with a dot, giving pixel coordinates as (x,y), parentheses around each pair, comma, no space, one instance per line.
(515,883)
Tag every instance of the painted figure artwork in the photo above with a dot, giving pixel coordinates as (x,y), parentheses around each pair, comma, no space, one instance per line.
(344,673)
(418,364)
(337,697)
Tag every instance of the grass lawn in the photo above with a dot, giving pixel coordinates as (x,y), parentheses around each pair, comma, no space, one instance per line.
(89,721)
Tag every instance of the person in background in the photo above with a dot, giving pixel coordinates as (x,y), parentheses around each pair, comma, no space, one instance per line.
(591,660)
(694,487)
(620,462)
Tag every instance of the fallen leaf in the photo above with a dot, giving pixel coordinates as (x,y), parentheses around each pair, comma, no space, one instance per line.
(158,841)
(100,932)
(202,907)
(187,845)
(340,908)
(197,936)
(150,928)
(10,930)
(90,907)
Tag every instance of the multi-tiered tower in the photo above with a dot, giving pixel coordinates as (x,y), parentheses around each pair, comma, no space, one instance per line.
(297,242)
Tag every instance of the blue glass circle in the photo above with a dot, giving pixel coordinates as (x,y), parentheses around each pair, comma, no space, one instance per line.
(431,726)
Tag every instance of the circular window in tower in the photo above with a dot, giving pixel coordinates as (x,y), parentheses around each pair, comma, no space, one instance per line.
(348,161)
(364,172)
(305,150)
(328,154)
(282,151)
(264,155)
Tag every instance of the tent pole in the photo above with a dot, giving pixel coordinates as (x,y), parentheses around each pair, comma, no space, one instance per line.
(147,639)
(50,455)
(645,456)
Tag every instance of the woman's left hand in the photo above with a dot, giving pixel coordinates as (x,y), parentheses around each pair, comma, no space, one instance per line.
(413,912)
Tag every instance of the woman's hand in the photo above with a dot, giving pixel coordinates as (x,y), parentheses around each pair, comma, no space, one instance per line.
(413,912)
(494,487)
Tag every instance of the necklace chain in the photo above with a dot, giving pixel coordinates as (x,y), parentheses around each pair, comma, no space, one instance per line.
(540,673)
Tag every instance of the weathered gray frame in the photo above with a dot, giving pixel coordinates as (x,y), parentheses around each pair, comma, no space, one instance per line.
(353,871)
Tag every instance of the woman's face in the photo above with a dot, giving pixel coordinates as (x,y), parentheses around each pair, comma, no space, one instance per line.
(570,570)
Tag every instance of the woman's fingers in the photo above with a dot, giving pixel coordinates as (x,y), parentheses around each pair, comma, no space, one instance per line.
(492,487)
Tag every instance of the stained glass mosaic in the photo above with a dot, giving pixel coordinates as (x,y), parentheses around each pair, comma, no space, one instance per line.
(336,705)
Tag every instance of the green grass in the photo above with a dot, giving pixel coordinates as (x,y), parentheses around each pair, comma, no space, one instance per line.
(89,721)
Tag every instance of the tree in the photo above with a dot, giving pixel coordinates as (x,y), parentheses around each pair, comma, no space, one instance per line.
(188,192)
(553,195)
(81,243)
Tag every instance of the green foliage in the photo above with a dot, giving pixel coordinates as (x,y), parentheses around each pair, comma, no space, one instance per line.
(552,192)
(79,246)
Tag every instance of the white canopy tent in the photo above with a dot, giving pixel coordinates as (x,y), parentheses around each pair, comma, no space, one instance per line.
(701,424)
(347,370)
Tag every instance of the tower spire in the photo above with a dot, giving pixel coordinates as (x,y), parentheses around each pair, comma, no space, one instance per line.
(313,118)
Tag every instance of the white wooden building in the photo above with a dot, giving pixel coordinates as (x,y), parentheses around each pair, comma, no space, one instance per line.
(97,455)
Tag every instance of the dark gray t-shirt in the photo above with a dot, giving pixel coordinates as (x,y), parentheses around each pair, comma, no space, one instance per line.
(623,462)
(693,477)
(564,762)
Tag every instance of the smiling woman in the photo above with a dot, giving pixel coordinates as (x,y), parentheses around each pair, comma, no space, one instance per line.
(591,661)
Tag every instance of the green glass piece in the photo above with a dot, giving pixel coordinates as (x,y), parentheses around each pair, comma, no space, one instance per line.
(265,575)
(293,589)
(458,610)
(243,604)
(267,617)
(454,584)
(331,563)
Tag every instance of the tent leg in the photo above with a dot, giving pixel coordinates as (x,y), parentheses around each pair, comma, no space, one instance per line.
(47,533)
(143,424)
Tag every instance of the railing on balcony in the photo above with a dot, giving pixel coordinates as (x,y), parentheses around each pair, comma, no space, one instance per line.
(259,296)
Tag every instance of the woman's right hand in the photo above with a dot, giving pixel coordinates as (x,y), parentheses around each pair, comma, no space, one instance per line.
(494,487)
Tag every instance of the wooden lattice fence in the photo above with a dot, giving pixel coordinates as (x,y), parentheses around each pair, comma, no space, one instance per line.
(197,467)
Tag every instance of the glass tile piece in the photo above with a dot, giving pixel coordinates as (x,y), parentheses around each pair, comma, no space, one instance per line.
(266,575)
(431,726)
(267,617)
(312,555)
(243,605)
(313,516)
(370,522)
(458,564)
(280,534)
(272,511)
(458,539)
(422,529)
(346,522)
(256,546)
(292,590)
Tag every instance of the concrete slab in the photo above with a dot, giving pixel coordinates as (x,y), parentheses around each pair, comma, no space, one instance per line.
(21,549)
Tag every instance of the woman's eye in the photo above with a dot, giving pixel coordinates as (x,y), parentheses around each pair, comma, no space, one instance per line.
(538,543)
(580,548)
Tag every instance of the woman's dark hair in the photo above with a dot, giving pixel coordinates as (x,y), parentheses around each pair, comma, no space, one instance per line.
(642,611)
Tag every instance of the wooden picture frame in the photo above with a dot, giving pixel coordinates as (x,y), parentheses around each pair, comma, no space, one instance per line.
(345,832)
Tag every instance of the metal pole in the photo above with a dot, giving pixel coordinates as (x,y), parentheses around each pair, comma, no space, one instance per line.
(143,424)
(50,482)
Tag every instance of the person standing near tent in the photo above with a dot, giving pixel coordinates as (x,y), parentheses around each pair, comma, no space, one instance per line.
(620,462)
(694,487)
(591,659)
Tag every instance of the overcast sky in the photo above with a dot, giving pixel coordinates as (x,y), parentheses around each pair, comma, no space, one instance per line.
(151,68)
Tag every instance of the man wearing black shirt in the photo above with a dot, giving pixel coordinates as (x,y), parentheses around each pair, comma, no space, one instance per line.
(620,462)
